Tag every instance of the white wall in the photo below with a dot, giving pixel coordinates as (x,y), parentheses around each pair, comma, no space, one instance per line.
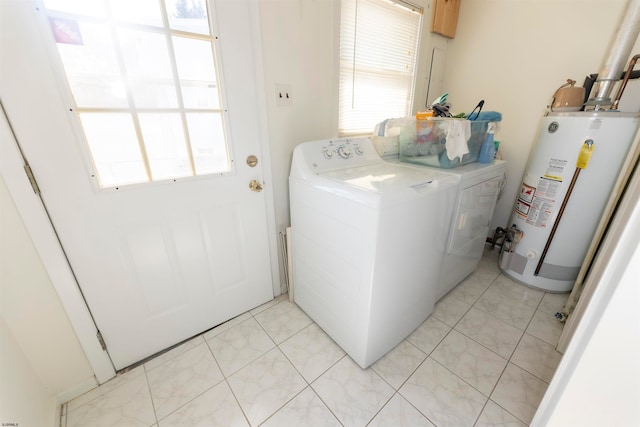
(30,310)
(299,50)
(514,55)
(24,400)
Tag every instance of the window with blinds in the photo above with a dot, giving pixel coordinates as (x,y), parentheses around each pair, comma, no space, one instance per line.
(378,54)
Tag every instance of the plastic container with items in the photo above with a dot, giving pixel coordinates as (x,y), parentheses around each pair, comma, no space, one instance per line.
(442,142)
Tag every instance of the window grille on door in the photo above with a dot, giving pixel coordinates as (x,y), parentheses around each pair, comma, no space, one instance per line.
(144,82)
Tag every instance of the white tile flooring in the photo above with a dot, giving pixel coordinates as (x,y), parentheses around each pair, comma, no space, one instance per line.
(484,358)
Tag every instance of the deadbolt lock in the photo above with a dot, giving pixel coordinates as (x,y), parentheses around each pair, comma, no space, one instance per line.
(252,161)
(255,185)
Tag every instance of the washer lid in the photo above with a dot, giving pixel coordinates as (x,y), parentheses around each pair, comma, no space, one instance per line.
(382,177)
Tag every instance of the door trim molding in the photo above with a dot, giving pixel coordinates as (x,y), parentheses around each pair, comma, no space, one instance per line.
(39,227)
(261,102)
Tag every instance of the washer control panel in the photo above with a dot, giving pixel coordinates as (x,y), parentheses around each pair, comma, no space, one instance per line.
(342,149)
(333,154)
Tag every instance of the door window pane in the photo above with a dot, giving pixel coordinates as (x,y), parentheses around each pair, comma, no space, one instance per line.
(188,15)
(114,146)
(148,67)
(146,12)
(207,143)
(194,59)
(90,62)
(196,69)
(163,136)
(145,54)
(200,95)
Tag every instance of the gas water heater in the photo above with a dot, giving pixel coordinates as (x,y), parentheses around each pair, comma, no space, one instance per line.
(571,173)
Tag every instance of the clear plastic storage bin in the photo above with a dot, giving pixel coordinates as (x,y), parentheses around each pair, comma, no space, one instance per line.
(424,142)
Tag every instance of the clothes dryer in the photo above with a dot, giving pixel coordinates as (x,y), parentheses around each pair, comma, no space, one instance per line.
(476,196)
(480,186)
(368,243)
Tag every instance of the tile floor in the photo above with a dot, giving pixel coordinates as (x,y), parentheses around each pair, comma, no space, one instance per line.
(484,358)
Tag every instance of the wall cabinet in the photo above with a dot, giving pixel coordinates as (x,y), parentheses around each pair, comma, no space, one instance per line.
(445,17)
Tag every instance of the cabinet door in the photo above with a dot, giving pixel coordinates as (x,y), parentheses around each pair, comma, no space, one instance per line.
(445,17)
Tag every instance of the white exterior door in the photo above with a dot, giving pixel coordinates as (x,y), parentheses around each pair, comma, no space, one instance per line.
(157,262)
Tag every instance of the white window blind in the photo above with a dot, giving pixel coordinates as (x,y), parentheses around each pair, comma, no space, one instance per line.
(378,52)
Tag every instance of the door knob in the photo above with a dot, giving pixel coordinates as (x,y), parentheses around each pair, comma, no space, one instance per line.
(255,185)
(252,161)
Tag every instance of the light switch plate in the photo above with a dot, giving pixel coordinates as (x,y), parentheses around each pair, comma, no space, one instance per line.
(284,95)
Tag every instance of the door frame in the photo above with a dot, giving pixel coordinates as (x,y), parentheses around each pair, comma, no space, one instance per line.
(45,240)
(37,223)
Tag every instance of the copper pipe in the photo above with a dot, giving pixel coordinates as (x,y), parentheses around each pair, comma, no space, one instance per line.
(557,221)
(632,64)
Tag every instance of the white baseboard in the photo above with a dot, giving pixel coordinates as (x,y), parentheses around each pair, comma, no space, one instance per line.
(76,391)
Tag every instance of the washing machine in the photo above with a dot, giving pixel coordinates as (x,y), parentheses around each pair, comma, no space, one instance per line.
(476,196)
(368,240)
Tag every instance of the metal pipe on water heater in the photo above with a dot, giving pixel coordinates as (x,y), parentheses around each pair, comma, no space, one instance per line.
(625,80)
(619,50)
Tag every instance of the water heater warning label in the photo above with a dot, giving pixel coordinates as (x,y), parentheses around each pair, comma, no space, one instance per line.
(556,169)
(535,205)
(548,188)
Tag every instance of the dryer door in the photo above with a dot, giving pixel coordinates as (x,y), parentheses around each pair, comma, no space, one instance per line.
(472,218)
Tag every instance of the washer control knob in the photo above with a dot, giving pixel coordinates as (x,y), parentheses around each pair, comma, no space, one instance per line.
(328,153)
(531,254)
(358,150)
(344,152)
